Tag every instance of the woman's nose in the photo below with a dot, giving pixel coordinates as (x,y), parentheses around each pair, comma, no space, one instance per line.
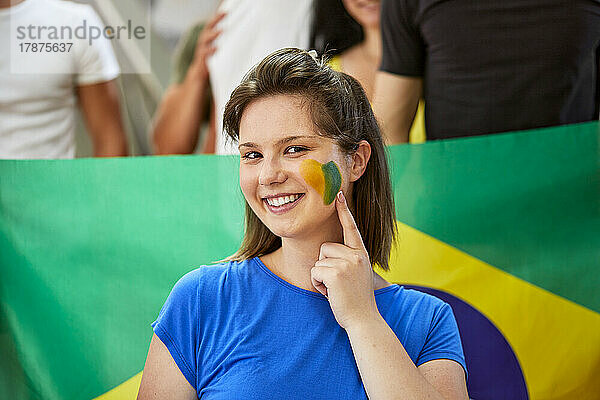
(271,172)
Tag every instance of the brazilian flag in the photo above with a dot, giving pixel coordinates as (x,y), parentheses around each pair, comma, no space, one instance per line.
(506,228)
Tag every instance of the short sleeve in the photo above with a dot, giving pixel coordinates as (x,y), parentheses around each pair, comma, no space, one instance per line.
(177,325)
(443,339)
(403,46)
(96,62)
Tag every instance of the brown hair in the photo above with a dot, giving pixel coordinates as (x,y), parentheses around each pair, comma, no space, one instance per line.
(340,110)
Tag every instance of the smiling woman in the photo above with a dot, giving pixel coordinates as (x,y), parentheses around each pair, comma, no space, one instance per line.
(300,303)
(326,108)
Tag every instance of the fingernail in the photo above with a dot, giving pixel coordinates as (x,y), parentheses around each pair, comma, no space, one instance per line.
(341,197)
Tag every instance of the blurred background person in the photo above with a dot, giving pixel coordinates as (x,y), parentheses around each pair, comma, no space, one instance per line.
(38,110)
(487,66)
(218,54)
(251,30)
(350,31)
(187,103)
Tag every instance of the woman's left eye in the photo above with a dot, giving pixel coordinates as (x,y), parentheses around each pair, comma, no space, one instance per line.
(295,149)
(251,155)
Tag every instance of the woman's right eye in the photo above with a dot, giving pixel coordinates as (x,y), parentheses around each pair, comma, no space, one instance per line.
(251,155)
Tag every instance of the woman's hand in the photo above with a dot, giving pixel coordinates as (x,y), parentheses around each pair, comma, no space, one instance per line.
(344,273)
(205,47)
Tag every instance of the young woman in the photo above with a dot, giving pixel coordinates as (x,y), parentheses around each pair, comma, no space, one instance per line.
(298,312)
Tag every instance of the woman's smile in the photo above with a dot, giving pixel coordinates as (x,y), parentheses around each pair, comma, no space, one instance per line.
(282,203)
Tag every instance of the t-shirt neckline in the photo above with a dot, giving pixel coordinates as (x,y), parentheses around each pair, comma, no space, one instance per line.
(305,292)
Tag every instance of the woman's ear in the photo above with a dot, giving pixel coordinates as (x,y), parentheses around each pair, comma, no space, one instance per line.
(360,159)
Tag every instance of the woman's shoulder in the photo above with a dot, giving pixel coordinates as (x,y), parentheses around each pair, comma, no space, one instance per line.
(410,305)
(211,277)
(209,272)
(422,299)
(424,324)
(410,295)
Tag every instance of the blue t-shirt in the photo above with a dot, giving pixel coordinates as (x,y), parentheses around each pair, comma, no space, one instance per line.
(238,331)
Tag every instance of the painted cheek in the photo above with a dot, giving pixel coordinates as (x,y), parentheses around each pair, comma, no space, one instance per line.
(333,181)
(324,178)
(313,175)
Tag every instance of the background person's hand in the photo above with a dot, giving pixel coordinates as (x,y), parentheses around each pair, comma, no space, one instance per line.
(205,45)
(344,273)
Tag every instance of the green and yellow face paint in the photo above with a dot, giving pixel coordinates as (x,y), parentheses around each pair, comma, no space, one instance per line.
(324,178)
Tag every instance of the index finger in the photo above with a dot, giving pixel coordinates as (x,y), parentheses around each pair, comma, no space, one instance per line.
(352,236)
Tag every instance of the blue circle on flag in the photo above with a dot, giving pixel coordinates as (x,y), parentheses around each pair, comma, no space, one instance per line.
(494,370)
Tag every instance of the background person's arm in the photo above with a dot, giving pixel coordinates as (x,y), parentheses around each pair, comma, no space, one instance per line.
(210,144)
(161,378)
(179,117)
(183,108)
(395,104)
(100,108)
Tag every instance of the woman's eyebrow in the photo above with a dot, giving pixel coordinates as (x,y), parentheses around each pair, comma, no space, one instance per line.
(248,144)
(292,138)
(283,141)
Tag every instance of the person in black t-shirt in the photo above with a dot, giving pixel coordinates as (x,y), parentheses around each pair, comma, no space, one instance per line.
(487,66)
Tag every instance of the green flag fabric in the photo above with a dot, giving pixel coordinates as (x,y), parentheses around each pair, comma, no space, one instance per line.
(506,224)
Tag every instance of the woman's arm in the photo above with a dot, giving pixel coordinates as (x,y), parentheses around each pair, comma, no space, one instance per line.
(344,274)
(162,379)
(388,372)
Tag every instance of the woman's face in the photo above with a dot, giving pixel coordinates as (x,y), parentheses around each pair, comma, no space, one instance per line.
(287,171)
(365,12)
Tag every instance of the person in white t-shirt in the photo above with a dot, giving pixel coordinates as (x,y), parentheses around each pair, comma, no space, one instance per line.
(40,91)
(251,30)
(241,33)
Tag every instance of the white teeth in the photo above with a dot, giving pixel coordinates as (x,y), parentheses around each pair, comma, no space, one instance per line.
(279,201)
